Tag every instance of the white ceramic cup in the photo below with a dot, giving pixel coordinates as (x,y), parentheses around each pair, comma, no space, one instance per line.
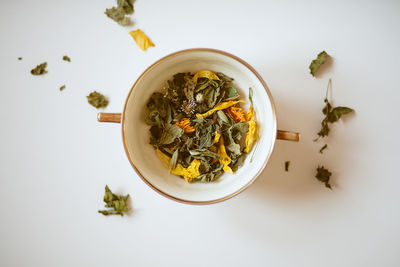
(135,132)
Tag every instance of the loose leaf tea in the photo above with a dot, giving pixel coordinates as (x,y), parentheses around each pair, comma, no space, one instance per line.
(141,39)
(39,69)
(117,203)
(62,87)
(331,114)
(197,127)
(66,58)
(97,100)
(323,175)
(316,63)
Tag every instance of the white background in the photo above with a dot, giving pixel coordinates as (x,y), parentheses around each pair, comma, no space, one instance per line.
(56,158)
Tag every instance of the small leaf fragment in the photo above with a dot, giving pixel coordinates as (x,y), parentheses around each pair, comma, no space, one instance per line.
(118,15)
(141,39)
(323,175)
(97,100)
(66,58)
(323,148)
(62,87)
(116,202)
(20,58)
(287,166)
(316,63)
(39,69)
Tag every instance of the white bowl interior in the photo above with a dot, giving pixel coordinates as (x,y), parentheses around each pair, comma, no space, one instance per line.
(143,155)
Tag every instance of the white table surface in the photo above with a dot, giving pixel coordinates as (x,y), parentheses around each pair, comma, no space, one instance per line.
(56,158)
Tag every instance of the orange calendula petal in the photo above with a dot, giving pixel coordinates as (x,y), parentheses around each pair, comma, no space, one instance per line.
(220,106)
(185,125)
(225,159)
(141,39)
(205,74)
(251,136)
(188,173)
(236,113)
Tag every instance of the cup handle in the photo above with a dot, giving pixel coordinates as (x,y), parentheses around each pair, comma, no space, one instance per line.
(109,117)
(288,136)
(116,118)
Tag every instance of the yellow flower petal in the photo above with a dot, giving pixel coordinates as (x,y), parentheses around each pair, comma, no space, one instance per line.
(251,136)
(225,159)
(220,106)
(205,74)
(141,39)
(250,114)
(216,137)
(188,173)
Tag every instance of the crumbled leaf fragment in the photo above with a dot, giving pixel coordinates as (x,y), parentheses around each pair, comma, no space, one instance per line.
(316,63)
(323,175)
(62,87)
(118,15)
(287,166)
(323,148)
(97,100)
(66,58)
(116,202)
(39,69)
(126,5)
(20,58)
(141,39)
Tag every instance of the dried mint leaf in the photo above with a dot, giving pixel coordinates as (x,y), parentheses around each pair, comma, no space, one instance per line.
(118,203)
(170,133)
(323,148)
(316,63)
(62,87)
(39,69)
(287,166)
(118,15)
(66,58)
(97,100)
(323,175)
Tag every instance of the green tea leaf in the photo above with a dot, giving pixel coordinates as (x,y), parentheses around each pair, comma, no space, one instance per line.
(287,166)
(97,100)
(66,58)
(39,69)
(170,133)
(323,175)
(118,203)
(316,63)
(62,87)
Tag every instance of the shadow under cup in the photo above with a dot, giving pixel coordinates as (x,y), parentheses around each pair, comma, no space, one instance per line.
(135,131)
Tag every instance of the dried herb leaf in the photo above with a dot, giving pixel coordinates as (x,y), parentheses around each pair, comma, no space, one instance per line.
(331,114)
(287,166)
(323,175)
(118,15)
(118,203)
(126,5)
(174,158)
(97,100)
(39,69)
(62,87)
(170,133)
(141,39)
(316,63)
(66,58)
(323,148)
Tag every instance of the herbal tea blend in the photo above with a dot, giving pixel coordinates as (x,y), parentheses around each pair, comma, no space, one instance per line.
(198,128)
